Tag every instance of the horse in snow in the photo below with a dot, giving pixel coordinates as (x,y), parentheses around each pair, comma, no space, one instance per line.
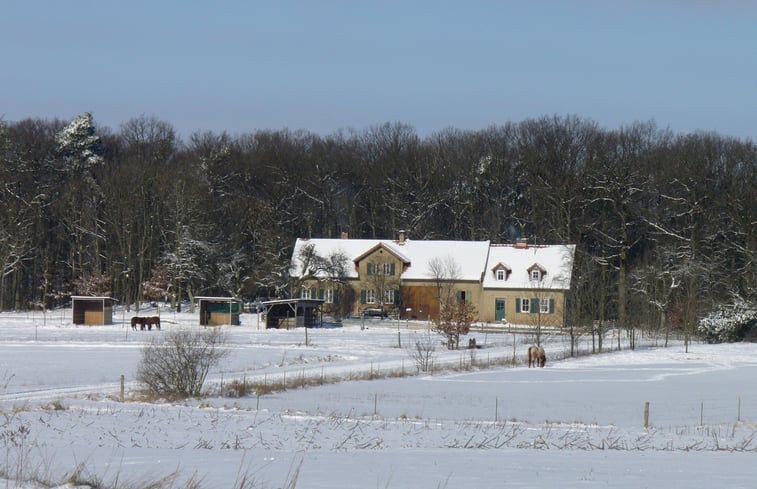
(536,356)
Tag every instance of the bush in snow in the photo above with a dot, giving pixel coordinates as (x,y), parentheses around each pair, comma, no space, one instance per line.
(728,322)
(177,364)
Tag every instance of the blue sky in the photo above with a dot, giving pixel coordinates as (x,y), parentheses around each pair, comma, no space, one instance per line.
(322,66)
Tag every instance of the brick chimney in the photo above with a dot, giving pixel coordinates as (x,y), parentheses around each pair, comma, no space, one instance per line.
(401,237)
(345,235)
(522,244)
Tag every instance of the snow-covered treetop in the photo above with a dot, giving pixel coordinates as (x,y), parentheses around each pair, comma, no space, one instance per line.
(79,144)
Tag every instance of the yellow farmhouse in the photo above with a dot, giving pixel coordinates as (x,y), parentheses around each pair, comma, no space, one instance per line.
(516,283)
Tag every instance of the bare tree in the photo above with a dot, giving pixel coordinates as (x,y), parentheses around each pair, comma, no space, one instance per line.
(444,272)
(191,265)
(384,284)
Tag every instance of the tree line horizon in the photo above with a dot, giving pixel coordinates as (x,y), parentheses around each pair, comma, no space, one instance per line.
(664,223)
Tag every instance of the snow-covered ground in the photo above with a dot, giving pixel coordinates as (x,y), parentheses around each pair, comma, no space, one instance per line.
(579,422)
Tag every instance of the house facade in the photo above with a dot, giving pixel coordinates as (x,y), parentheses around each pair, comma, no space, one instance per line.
(507,283)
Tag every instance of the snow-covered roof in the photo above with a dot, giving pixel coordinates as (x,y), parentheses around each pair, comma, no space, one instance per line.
(555,260)
(476,260)
(469,256)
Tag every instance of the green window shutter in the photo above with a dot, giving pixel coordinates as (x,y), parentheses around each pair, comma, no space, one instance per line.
(320,294)
(534,305)
(517,305)
(394,269)
(551,306)
(370,269)
(362,296)
(396,295)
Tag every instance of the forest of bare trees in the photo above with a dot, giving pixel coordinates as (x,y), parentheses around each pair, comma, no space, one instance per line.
(664,223)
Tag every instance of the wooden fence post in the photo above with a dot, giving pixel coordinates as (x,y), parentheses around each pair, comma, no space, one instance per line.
(122,388)
(646,415)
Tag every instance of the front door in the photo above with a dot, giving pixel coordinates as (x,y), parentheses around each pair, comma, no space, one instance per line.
(499,309)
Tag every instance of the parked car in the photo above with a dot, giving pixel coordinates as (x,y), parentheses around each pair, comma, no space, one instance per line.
(374,312)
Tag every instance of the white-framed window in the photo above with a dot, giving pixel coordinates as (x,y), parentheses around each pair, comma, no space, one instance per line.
(536,274)
(370,296)
(500,274)
(380,268)
(328,295)
(305,293)
(544,306)
(525,305)
(388,297)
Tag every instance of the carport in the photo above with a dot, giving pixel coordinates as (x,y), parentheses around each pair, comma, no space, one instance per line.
(288,313)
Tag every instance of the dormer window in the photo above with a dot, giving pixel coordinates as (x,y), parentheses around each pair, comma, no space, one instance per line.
(536,272)
(501,272)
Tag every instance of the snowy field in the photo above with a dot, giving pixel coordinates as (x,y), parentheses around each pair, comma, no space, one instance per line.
(576,423)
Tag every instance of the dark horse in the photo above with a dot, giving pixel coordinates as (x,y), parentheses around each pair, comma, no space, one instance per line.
(536,356)
(143,322)
(152,321)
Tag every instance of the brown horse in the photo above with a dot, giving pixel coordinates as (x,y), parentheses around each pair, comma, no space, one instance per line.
(143,322)
(136,320)
(536,356)
(152,321)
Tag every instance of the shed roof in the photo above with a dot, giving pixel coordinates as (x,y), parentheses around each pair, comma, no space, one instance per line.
(217,299)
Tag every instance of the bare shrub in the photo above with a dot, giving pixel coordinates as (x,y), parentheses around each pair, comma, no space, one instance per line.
(455,318)
(423,352)
(177,363)
(5,380)
(16,445)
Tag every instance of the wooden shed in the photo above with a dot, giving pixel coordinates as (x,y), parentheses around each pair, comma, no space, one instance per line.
(92,311)
(215,311)
(285,313)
